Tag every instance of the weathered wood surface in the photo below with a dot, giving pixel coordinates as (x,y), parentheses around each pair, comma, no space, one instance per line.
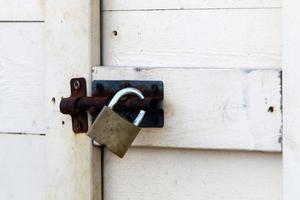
(121,5)
(214,109)
(23,164)
(72,47)
(147,174)
(238,38)
(20,10)
(291,100)
(202,34)
(22,78)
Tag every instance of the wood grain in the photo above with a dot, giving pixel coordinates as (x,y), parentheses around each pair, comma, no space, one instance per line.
(247,38)
(213,109)
(22,78)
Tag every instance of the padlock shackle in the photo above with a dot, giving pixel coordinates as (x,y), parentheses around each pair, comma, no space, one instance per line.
(124,92)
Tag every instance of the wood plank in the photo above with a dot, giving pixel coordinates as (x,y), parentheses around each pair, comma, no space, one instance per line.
(147,173)
(19,10)
(23,167)
(187,4)
(214,109)
(247,38)
(22,78)
(72,47)
(291,99)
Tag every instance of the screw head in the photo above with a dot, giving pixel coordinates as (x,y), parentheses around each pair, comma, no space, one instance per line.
(76,84)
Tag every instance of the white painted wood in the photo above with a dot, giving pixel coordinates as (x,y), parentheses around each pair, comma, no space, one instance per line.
(201,34)
(147,174)
(23,164)
(238,38)
(214,109)
(72,43)
(20,10)
(187,4)
(22,78)
(291,99)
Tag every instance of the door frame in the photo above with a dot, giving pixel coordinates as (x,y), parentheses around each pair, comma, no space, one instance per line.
(72,47)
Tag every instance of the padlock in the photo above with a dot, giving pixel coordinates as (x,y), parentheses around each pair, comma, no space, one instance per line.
(113,131)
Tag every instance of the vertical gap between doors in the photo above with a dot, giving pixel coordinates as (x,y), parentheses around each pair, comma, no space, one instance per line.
(101,63)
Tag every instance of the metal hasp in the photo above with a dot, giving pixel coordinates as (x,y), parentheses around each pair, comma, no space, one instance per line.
(78,104)
(70,105)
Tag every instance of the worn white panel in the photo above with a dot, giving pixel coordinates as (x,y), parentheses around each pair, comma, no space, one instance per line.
(239,38)
(166,174)
(71,48)
(187,4)
(20,10)
(23,167)
(216,108)
(22,77)
(291,99)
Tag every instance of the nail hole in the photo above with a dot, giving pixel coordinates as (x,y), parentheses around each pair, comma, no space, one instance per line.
(137,69)
(63,122)
(271,109)
(115,33)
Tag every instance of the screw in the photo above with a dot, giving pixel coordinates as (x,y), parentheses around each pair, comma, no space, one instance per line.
(76,84)
(77,125)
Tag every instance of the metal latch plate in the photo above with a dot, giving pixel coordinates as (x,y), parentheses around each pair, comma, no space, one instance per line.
(129,107)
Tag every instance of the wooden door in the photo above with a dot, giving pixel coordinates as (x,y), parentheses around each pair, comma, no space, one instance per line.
(22,132)
(221,66)
(72,46)
(291,61)
(42,45)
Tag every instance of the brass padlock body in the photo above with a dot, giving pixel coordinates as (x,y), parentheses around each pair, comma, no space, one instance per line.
(111,130)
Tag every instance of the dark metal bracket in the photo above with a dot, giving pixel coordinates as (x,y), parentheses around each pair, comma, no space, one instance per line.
(78,104)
